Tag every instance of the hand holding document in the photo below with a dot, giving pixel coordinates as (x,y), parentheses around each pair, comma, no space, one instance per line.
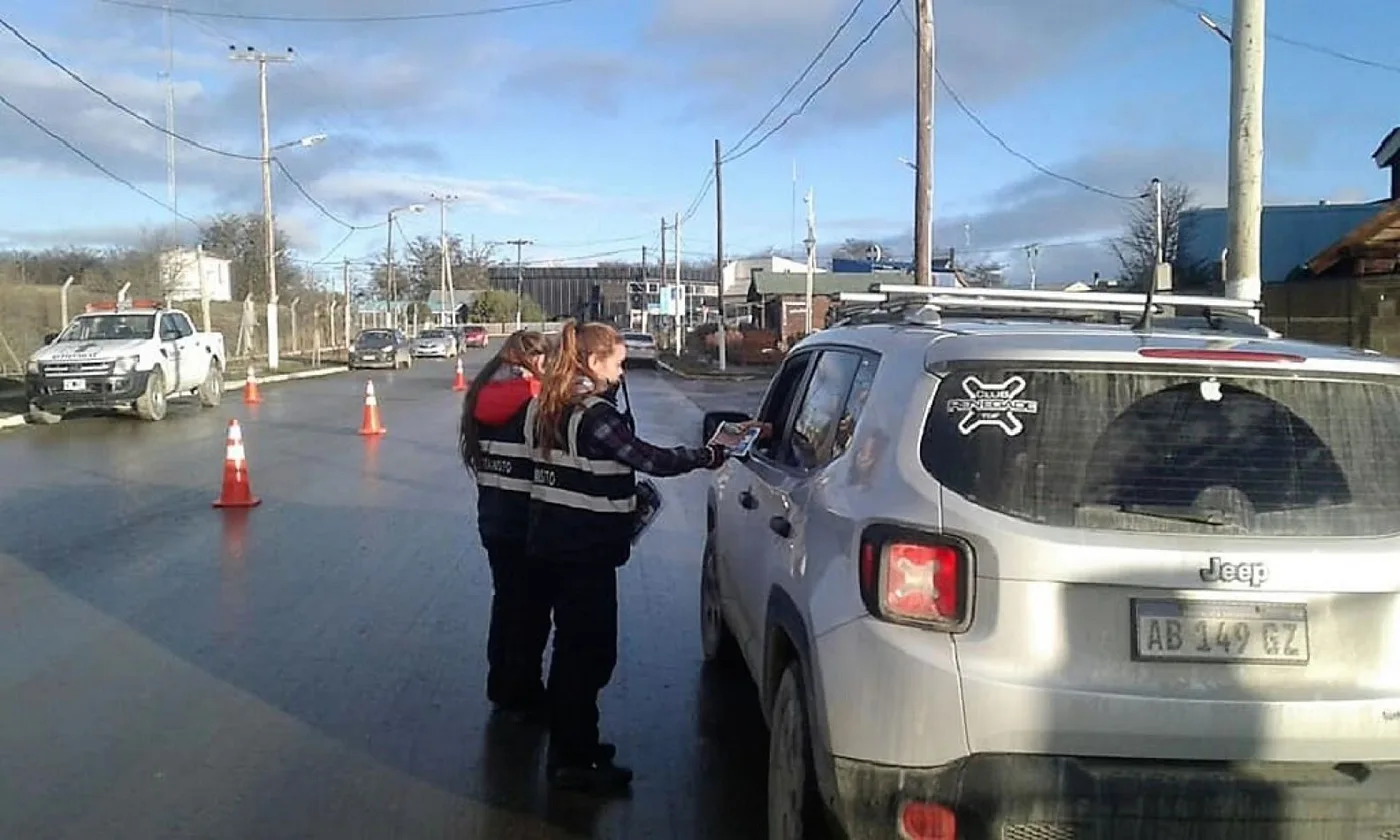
(738,438)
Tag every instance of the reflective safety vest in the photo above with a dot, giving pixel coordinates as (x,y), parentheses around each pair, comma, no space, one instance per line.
(503,481)
(579,505)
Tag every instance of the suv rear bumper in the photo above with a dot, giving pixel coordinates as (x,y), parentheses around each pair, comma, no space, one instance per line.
(47,393)
(1042,797)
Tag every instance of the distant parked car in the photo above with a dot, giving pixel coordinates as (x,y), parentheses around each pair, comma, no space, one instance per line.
(641,348)
(437,343)
(474,335)
(380,348)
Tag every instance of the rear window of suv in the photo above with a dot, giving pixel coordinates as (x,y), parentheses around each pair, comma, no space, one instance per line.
(1170,452)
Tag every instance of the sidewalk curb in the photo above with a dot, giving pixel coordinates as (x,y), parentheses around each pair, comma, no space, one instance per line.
(17,420)
(705,377)
(286,377)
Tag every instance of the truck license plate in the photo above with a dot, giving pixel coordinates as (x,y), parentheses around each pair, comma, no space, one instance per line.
(75,384)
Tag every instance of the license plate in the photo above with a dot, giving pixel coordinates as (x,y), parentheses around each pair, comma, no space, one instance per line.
(1217,631)
(75,384)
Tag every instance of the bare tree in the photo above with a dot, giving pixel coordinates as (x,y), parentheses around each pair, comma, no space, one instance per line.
(987,274)
(1136,248)
(854,249)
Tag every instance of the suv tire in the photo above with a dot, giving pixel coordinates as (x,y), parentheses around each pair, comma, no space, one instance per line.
(795,810)
(717,641)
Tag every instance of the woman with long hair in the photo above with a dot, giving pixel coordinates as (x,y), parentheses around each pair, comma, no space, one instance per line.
(491,441)
(582,510)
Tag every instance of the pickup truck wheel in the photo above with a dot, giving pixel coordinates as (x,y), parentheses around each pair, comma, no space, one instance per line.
(40,417)
(152,405)
(795,810)
(211,391)
(717,642)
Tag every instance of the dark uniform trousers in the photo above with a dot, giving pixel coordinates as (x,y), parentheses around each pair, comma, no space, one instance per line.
(519,627)
(581,515)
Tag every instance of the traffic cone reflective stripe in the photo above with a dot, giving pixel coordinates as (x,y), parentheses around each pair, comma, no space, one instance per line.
(459,382)
(251,395)
(370,425)
(237,491)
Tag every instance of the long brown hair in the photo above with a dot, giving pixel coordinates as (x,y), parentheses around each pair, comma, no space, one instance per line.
(559,389)
(520,350)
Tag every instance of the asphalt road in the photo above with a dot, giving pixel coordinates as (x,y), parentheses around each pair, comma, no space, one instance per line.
(314,667)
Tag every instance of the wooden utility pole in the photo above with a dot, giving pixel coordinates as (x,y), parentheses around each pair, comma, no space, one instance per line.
(923,148)
(719,257)
(345,282)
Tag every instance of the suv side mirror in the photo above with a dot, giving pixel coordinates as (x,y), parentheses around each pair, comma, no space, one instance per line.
(49,338)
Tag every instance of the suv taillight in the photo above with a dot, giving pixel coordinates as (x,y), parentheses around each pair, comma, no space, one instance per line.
(915,578)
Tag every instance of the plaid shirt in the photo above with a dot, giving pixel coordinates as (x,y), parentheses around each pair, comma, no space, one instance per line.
(607,434)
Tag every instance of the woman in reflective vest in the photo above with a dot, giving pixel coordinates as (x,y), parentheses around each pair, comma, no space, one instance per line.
(582,511)
(491,441)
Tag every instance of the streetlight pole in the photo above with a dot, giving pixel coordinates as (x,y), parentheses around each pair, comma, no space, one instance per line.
(263,59)
(389,259)
(519,278)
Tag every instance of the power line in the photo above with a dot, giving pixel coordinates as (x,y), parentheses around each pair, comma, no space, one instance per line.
(694,206)
(1000,141)
(90,160)
(1320,49)
(314,203)
(465,13)
(733,156)
(811,65)
(114,103)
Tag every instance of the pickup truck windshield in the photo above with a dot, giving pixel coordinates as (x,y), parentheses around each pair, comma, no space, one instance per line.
(374,340)
(109,328)
(1171,452)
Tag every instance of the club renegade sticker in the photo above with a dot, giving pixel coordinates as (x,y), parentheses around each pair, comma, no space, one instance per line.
(992,405)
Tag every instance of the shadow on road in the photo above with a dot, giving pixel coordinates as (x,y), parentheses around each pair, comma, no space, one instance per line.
(368,625)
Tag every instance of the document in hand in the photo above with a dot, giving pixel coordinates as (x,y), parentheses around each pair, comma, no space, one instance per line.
(736,438)
(648,508)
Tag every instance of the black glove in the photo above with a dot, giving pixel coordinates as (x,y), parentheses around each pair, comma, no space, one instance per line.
(718,455)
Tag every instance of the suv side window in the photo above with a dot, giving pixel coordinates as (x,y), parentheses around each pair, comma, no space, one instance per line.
(855,401)
(777,406)
(813,436)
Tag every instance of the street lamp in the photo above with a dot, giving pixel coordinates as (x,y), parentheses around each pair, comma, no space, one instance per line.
(274,341)
(389,259)
(1212,26)
(909,163)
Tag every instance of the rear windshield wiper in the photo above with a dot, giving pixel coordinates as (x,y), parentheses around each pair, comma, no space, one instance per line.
(1167,513)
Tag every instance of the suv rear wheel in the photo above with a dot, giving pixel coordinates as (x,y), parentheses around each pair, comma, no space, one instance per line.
(795,810)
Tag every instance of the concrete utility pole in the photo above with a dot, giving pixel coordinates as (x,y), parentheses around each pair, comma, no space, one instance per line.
(719,258)
(519,279)
(445,281)
(646,289)
(1032,252)
(811,242)
(680,291)
(923,149)
(262,60)
(345,285)
(1246,190)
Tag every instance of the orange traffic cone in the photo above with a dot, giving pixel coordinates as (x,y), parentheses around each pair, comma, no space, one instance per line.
(371,425)
(459,382)
(251,394)
(236,492)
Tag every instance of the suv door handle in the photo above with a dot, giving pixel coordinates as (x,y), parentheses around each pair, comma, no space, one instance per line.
(781,526)
(747,500)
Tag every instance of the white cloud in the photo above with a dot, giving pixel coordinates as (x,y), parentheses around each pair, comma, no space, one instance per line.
(374,192)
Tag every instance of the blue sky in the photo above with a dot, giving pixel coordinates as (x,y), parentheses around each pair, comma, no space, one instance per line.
(579,125)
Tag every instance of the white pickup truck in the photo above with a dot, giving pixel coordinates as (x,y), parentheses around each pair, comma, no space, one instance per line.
(127,357)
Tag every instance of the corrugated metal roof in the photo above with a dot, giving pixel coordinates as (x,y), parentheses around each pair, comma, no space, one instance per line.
(1289,235)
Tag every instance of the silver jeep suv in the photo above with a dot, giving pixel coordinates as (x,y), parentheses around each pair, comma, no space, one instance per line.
(1045,565)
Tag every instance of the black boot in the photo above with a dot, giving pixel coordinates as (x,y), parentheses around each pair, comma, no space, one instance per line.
(600,776)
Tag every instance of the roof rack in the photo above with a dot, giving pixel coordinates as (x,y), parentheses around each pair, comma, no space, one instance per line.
(928,306)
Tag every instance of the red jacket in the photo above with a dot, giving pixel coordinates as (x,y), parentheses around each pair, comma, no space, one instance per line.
(500,399)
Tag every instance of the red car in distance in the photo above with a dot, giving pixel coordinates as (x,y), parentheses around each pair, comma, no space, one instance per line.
(473,335)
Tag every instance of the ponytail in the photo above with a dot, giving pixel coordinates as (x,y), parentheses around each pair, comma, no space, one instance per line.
(559,387)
